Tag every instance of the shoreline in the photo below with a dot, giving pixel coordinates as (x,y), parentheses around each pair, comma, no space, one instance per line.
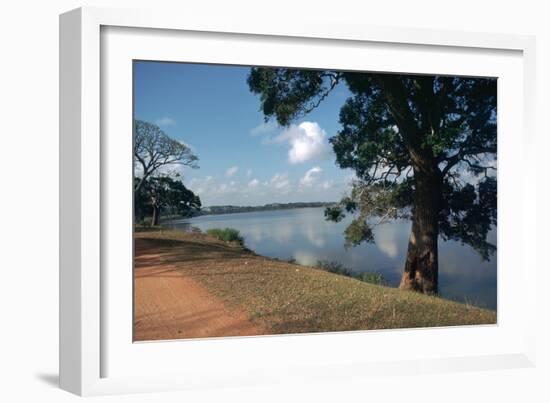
(281,298)
(180,219)
(388,280)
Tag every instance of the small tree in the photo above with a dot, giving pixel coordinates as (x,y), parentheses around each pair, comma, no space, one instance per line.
(180,200)
(163,192)
(422,147)
(154,149)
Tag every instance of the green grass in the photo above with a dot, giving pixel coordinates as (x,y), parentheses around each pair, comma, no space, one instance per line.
(147,227)
(337,268)
(288,298)
(226,234)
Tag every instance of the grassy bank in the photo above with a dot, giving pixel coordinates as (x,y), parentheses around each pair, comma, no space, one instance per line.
(288,298)
(226,234)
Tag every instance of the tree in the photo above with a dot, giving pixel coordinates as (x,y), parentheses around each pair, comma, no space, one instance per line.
(164,192)
(422,147)
(178,199)
(154,149)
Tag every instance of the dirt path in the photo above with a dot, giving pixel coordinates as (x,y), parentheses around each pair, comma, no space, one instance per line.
(170,305)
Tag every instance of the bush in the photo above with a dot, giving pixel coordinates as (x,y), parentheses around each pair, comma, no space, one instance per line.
(195,230)
(146,222)
(226,234)
(337,268)
(334,267)
(371,277)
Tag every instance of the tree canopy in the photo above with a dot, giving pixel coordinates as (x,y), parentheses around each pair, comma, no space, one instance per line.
(155,190)
(398,133)
(154,149)
(164,192)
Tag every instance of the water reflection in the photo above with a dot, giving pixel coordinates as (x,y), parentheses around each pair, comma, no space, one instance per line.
(304,235)
(305,258)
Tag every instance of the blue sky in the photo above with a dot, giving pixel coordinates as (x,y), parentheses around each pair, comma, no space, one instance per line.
(243,161)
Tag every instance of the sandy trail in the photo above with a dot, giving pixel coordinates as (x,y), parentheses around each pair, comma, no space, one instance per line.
(170,305)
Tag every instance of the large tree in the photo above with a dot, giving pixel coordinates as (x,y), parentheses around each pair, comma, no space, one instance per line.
(154,149)
(422,147)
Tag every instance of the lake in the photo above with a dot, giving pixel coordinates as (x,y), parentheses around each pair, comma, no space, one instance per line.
(304,235)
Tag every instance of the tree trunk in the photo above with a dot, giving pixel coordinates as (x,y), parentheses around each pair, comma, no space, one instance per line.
(156,215)
(421,266)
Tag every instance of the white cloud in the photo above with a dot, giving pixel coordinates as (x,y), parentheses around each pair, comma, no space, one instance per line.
(350,179)
(327,184)
(280,187)
(231,171)
(280,182)
(165,121)
(249,173)
(307,142)
(264,128)
(201,185)
(311,176)
(229,187)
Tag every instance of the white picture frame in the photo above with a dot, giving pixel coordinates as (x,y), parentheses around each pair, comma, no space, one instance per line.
(96,356)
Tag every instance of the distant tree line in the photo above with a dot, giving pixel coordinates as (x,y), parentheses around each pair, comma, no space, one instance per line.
(228,209)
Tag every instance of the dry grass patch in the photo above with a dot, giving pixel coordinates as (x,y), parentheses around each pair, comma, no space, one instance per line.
(289,298)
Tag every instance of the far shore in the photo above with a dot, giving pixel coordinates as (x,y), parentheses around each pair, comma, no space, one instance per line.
(190,285)
(230,209)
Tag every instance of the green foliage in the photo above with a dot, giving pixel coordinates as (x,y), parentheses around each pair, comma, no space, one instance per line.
(286,93)
(338,268)
(334,267)
(470,214)
(358,231)
(155,191)
(226,234)
(144,223)
(371,277)
(167,194)
(334,214)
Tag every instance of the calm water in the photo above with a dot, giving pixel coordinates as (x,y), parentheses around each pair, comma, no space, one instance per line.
(303,234)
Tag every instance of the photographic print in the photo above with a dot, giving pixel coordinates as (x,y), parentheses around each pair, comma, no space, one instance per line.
(275,200)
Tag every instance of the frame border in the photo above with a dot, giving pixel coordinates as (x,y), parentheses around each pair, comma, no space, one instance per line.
(80,307)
